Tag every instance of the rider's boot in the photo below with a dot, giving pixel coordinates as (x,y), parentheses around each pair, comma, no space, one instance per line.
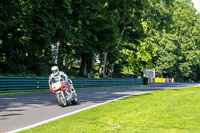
(73,90)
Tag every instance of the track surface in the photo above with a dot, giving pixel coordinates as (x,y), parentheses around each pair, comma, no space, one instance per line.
(23,110)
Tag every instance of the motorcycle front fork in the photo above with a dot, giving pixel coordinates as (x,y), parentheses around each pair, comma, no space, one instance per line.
(68,95)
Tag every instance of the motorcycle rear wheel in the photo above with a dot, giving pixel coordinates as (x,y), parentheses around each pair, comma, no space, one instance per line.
(75,100)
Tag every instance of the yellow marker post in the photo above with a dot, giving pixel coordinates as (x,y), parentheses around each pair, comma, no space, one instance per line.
(160,80)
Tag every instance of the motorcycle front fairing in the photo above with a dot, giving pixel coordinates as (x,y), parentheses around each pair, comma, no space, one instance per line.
(57,85)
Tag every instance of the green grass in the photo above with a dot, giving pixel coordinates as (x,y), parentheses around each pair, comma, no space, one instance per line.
(21,93)
(171,111)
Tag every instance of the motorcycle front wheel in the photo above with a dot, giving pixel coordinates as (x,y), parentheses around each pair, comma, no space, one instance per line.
(61,99)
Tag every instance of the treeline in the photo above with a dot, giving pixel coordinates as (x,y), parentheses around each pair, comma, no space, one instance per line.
(100,37)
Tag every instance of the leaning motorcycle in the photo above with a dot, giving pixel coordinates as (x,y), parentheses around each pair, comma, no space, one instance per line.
(64,94)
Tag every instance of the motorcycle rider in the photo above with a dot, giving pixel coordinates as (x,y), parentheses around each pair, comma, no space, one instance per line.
(57,75)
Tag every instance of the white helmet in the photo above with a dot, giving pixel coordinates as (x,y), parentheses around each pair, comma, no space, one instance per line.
(55,70)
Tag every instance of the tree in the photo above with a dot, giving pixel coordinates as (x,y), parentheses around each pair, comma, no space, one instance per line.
(128,13)
(93,30)
(139,33)
(12,36)
(180,56)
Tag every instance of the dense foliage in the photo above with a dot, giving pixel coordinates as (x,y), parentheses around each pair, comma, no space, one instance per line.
(90,37)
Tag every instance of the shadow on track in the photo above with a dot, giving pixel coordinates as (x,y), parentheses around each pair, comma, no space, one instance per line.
(18,103)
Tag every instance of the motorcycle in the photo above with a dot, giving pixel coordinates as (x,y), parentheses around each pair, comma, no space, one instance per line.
(64,94)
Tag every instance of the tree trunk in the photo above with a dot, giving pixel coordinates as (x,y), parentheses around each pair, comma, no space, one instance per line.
(86,65)
(83,67)
(111,70)
(113,64)
(102,67)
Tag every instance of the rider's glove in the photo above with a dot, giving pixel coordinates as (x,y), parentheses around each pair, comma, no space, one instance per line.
(52,93)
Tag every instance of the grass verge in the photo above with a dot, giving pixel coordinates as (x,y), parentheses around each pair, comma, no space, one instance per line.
(20,93)
(171,111)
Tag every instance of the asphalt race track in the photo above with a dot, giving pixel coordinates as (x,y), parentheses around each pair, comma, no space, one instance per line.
(20,111)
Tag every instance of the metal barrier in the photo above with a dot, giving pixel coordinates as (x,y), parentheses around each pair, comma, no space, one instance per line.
(85,83)
(21,84)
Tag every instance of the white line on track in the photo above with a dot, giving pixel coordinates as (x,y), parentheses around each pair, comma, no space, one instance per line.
(74,112)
